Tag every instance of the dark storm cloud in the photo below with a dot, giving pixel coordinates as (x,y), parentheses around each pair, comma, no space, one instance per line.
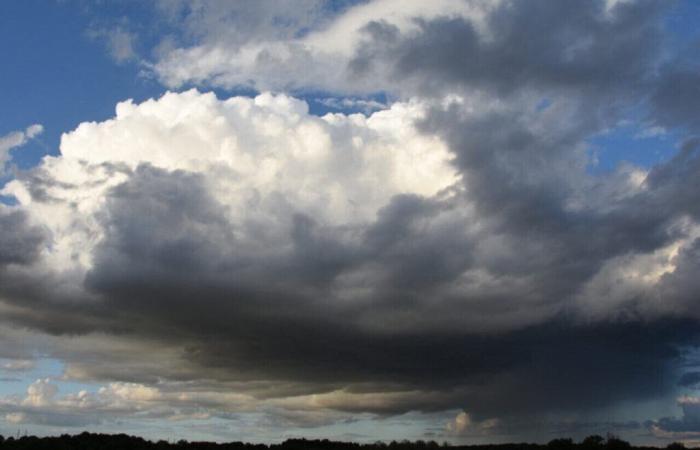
(20,241)
(164,223)
(567,45)
(676,184)
(520,181)
(682,286)
(676,97)
(589,59)
(258,318)
(537,370)
(418,256)
(688,423)
(689,379)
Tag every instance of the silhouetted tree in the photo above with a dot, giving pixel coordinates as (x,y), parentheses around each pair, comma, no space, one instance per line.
(561,444)
(615,443)
(593,442)
(92,441)
(675,446)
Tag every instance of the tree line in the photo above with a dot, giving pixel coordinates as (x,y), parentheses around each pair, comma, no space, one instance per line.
(96,441)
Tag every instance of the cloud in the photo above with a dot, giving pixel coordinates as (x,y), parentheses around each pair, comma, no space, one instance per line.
(687,427)
(678,82)
(343,263)
(451,250)
(313,45)
(43,404)
(420,47)
(462,424)
(18,365)
(120,43)
(14,140)
(689,379)
(20,242)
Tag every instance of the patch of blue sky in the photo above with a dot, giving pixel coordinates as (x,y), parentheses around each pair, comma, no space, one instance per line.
(682,22)
(321,103)
(15,382)
(632,143)
(55,74)
(6,199)
(543,104)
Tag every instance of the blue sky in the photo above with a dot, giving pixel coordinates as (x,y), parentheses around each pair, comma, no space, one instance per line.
(60,75)
(448,241)
(57,75)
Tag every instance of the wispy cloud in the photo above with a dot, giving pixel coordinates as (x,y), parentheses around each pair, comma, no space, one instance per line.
(15,140)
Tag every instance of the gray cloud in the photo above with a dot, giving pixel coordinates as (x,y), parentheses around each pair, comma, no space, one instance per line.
(686,426)
(689,379)
(260,319)
(20,241)
(678,84)
(120,42)
(585,50)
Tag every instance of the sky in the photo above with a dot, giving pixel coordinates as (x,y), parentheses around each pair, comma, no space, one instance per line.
(469,221)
